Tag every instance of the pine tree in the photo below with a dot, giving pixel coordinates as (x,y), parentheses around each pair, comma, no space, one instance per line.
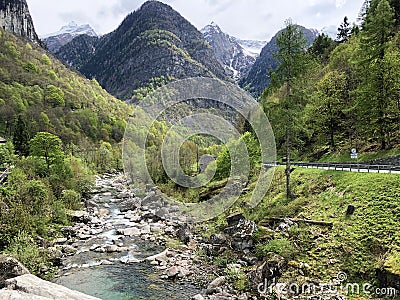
(344,31)
(377,32)
(21,137)
(292,57)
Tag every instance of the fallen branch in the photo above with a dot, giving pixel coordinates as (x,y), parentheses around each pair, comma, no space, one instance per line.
(320,223)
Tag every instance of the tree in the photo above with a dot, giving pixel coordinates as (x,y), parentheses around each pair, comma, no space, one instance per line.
(344,31)
(329,104)
(373,101)
(21,136)
(47,146)
(292,57)
(322,47)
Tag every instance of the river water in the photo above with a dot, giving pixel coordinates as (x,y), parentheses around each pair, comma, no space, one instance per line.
(107,275)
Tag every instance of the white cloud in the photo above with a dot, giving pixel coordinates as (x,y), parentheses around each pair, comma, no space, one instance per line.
(340,3)
(253,19)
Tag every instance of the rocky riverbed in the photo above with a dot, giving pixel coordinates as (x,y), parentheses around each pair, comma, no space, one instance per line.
(120,248)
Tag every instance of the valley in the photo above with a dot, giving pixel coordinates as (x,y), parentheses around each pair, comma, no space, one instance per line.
(162,160)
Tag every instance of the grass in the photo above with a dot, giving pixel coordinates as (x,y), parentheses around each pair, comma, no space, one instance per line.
(358,244)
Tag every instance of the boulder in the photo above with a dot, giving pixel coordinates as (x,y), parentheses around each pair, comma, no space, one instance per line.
(79,216)
(217,282)
(134,231)
(173,271)
(130,204)
(40,289)
(10,268)
(185,233)
(151,198)
(234,219)
(218,239)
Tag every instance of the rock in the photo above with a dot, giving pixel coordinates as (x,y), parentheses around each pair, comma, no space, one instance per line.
(350,210)
(10,268)
(234,219)
(217,282)
(111,248)
(36,287)
(145,229)
(151,198)
(198,297)
(185,233)
(103,212)
(173,271)
(68,249)
(162,213)
(60,241)
(218,239)
(242,235)
(68,232)
(130,204)
(79,216)
(159,257)
(134,231)
(18,295)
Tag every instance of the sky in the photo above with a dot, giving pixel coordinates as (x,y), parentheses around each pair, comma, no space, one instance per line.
(245,19)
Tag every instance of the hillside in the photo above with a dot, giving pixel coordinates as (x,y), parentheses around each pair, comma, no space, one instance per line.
(39,93)
(151,42)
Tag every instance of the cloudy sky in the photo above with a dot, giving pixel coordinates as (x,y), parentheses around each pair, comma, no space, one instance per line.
(246,19)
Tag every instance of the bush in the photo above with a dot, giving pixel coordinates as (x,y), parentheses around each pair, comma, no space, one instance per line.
(281,246)
(238,278)
(27,252)
(71,199)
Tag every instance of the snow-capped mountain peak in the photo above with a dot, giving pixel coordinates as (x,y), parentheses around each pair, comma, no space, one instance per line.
(67,33)
(236,58)
(73,29)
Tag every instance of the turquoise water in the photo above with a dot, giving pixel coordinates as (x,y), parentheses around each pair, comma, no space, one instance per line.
(125,282)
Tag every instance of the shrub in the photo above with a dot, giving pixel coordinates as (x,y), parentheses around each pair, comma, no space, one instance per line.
(71,199)
(281,246)
(27,252)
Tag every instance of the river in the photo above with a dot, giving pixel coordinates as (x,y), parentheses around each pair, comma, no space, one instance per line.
(112,266)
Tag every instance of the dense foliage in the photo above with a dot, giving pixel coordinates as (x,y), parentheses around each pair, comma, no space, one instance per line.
(348,96)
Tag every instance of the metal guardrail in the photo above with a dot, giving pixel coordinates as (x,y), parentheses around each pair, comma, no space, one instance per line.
(4,174)
(364,168)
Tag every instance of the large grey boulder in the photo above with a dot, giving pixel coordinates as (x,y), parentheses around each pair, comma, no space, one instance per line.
(31,287)
(10,268)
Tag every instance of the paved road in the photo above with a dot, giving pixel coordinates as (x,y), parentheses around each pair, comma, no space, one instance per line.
(359,168)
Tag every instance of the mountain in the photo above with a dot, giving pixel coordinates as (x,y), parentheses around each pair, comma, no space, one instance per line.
(39,93)
(15,17)
(78,51)
(258,77)
(54,41)
(237,56)
(153,42)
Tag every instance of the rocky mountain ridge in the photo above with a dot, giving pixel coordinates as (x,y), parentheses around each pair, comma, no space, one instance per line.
(15,17)
(237,56)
